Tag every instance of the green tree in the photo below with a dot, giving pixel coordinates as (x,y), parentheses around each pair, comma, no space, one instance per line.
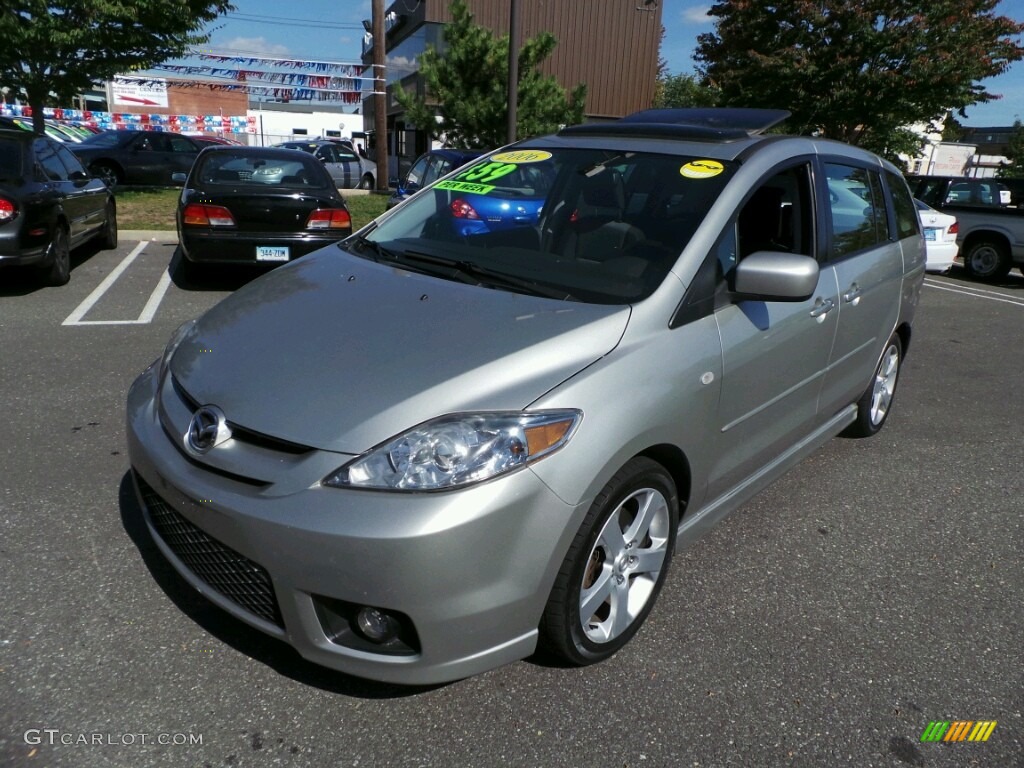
(858,70)
(55,49)
(466,101)
(1014,153)
(673,91)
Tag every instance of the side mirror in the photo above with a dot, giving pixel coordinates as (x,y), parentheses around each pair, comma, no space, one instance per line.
(78,176)
(776,276)
(179,177)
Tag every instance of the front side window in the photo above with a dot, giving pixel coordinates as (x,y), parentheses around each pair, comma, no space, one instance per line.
(602,226)
(856,208)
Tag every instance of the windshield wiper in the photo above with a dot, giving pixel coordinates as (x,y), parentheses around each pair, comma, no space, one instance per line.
(474,274)
(380,253)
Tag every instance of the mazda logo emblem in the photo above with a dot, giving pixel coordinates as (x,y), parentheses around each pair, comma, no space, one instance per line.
(208,429)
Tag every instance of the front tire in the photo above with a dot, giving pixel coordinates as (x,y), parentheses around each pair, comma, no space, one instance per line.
(615,567)
(876,402)
(106,173)
(58,269)
(366,182)
(987,260)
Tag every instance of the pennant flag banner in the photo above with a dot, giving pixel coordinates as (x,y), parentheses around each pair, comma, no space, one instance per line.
(343,68)
(128,121)
(289,92)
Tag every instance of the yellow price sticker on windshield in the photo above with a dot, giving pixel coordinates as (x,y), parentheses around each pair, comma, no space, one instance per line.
(522,156)
(701,169)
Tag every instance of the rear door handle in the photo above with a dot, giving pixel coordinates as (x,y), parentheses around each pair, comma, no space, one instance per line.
(852,295)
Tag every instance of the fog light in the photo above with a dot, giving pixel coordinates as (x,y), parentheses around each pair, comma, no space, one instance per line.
(375,625)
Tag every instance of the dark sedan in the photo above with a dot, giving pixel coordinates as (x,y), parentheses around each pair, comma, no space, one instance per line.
(257,205)
(49,205)
(137,157)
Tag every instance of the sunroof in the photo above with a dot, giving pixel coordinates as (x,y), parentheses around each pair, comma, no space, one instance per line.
(752,121)
(708,123)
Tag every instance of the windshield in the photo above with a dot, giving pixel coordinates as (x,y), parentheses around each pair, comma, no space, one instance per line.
(600,226)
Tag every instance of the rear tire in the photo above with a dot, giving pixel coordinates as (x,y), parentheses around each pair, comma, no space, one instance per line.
(58,268)
(366,182)
(615,567)
(987,260)
(876,402)
(108,240)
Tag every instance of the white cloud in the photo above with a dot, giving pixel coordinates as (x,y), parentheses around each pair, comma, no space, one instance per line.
(255,45)
(697,14)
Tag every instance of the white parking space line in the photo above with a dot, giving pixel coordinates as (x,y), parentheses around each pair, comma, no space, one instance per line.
(148,312)
(977,293)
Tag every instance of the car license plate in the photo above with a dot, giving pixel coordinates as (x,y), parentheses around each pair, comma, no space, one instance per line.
(272,253)
(931,234)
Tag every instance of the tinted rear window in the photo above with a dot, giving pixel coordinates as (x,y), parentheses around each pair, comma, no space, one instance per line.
(10,159)
(251,169)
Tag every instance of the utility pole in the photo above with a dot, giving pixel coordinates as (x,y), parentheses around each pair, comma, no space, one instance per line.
(380,97)
(513,69)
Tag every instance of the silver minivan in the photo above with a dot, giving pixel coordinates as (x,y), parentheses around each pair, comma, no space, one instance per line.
(428,450)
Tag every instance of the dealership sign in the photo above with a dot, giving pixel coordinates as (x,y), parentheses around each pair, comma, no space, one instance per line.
(139,93)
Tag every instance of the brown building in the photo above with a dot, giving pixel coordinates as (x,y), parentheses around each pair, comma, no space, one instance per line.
(610,45)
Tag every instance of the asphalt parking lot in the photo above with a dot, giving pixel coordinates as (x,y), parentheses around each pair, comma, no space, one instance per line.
(873,590)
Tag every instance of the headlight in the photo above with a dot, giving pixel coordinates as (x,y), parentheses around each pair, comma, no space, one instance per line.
(457,450)
(176,338)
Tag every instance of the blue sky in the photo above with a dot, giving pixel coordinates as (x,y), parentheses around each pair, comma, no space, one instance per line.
(332,30)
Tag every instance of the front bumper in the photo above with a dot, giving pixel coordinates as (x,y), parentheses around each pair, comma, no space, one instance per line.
(471,569)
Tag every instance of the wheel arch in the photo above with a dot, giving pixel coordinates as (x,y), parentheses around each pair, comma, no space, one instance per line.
(904,332)
(674,461)
(979,235)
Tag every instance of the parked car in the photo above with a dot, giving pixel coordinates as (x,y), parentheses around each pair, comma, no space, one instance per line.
(990,222)
(252,205)
(137,157)
(48,206)
(415,456)
(940,231)
(513,201)
(348,170)
(428,168)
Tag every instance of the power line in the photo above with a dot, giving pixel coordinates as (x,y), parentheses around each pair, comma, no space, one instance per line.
(291,22)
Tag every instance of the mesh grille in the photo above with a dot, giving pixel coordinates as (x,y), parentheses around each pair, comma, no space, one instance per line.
(233,575)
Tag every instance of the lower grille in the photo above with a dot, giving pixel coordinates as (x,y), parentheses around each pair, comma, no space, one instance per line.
(236,577)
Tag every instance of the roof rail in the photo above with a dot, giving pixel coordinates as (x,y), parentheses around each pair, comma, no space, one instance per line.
(707,123)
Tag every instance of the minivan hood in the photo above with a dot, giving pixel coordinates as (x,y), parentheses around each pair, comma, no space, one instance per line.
(340,353)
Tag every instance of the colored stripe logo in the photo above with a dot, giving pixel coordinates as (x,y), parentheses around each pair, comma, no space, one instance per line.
(958,730)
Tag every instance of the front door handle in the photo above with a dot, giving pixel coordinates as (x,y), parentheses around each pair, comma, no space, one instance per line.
(821,308)
(852,295)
